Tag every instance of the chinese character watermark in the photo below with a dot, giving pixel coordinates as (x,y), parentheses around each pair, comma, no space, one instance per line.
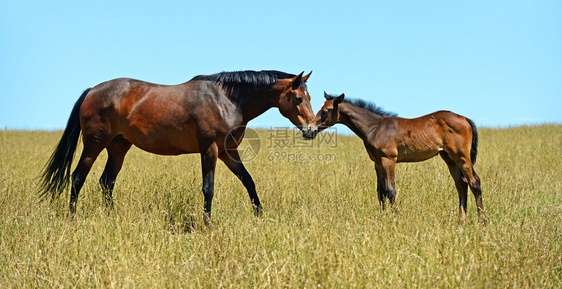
(281,144)
(284,137)
(242,151)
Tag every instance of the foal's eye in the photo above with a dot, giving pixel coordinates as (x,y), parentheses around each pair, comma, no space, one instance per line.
(298,99)
(324,115)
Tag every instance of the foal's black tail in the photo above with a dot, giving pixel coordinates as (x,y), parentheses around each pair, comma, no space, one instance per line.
(474,147)
(56,174)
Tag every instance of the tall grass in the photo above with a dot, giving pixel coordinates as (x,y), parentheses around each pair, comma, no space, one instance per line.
(322,224)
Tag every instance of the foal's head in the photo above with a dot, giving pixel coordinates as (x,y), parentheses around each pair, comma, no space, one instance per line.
(327,116)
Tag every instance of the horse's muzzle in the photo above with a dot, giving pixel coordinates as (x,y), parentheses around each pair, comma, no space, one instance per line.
(309,134)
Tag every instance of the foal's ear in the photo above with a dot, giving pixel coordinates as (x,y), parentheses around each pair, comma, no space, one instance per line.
(339,98)
(327,96)
(298,81)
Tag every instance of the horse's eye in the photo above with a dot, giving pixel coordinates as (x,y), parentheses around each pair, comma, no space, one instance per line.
(298,99)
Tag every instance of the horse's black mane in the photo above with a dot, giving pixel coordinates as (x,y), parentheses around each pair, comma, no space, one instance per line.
(370,106)
(239,82)
(250,77)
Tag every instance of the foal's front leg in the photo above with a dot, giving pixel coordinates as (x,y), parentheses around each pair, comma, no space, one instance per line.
(381,190)
(385,181)
(388,165)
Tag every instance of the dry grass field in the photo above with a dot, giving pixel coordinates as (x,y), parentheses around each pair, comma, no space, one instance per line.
(322,224)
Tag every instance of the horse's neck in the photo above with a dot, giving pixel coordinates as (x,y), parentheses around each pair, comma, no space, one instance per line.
(359,120)
(255,104)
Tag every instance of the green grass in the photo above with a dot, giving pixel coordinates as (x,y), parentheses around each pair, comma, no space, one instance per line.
(322,225)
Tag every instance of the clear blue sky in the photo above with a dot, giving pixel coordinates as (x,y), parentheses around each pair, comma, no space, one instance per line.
(497,62)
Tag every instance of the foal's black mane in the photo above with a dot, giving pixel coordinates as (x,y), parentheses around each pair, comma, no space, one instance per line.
(370,106)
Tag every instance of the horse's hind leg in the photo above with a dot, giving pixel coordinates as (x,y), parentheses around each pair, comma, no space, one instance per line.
(91,151)
(116,151)
(460,184)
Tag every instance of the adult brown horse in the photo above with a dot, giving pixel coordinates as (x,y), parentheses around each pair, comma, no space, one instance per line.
(193,117)
(390,139)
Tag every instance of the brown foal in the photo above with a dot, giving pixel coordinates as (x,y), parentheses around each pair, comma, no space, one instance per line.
(390,140)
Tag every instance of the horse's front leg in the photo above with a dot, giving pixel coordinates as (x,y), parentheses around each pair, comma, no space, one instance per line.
(208,164)
(234,163)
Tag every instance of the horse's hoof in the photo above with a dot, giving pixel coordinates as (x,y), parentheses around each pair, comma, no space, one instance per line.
(258,211)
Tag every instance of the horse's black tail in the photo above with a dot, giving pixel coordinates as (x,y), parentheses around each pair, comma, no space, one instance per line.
(474,147)
(56,174)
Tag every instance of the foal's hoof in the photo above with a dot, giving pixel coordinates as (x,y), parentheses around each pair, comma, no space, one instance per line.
(71,216)
(483,221)
(207,219)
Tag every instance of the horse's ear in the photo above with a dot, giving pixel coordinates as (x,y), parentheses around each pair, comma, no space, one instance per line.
(305,78)
(297,81)
(327,96)
(339,98)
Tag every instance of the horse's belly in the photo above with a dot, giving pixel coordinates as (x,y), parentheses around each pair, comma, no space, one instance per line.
(165,142)
(168,148)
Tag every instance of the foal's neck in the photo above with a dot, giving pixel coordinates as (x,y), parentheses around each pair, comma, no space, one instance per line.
(359,120)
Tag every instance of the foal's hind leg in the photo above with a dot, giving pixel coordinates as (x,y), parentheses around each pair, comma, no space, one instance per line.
(475,187)
(116,151)
(460,184)
(474,183)
(464,164)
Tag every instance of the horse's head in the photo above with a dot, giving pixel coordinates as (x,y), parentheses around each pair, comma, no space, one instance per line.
(327,116)
(294,101)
